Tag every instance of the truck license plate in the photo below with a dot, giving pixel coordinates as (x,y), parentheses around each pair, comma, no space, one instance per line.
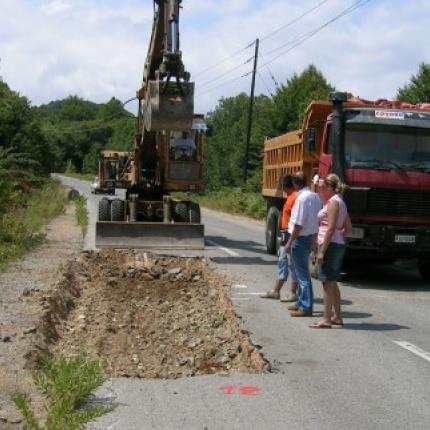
(402,238)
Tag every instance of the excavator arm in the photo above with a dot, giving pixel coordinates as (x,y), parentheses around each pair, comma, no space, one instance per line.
(166,96)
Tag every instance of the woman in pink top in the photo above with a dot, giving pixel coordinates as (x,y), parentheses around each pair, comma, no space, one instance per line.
(334,225)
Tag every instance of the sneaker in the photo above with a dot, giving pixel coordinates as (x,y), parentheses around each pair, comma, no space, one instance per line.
(289,299)
(270,295)
(301,313)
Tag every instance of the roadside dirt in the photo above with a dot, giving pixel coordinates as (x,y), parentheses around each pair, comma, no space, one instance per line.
(20,309)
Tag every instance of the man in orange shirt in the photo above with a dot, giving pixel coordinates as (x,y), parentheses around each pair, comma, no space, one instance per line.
(284,263)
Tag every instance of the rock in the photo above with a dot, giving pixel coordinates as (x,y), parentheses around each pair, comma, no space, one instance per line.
(175,271)
(197,278)
(30,330)
(7,339)
(224,359)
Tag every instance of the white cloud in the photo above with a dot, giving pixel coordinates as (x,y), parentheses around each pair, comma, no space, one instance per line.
(55,7)
(97,49)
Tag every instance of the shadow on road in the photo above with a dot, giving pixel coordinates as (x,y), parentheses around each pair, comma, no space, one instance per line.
(402,276)
(243,261)
(245,245)
(343,302)
(374,327)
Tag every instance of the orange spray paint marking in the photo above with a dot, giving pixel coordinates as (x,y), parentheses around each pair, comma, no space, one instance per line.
(243,390)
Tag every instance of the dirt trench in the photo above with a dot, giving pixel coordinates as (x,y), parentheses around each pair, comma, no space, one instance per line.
(146,316)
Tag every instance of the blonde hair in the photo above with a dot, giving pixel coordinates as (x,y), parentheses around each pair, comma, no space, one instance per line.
(333,181)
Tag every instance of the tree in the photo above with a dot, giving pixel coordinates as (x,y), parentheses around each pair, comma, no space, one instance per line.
(292,99)
(418,90)
(226,147)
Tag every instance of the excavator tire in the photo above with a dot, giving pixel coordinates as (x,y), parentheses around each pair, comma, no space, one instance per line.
(104,210)
(423,267)
(180,212)
(117,210)
(194,213)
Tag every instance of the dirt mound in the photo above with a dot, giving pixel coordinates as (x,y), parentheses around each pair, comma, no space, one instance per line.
(147,316)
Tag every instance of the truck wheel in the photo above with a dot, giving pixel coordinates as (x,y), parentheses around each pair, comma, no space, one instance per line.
(117,210)
(104,210)
(424,267)
(272,230)
(180,212)
(194,213)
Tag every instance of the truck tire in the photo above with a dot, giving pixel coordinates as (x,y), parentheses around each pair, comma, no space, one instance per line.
(180,212)
(117,210)
(424,267)
(272,230)
(194,213)
(104,210)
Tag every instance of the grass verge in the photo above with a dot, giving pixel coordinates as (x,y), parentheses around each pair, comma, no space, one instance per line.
(81,213)
(231,200)
(24,218)
(67,385)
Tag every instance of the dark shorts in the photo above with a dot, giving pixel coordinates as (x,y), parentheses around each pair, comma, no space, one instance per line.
(329,271)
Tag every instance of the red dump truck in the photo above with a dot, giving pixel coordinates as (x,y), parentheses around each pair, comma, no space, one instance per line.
(381,150)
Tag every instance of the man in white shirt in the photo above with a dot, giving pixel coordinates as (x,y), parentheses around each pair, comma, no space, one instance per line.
(303,227)
(183,147)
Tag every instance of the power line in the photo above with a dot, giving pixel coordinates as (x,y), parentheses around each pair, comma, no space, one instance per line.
(265,84)
(290,23)
(267,36)
(224,83)
(226,73)
(213,66)
(300,40)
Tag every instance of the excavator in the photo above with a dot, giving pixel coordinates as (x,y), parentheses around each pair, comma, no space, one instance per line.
(167,155)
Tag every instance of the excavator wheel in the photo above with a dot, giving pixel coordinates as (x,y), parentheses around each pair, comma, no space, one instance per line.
(180,212)
(104,210)
(117,210)
(194,213)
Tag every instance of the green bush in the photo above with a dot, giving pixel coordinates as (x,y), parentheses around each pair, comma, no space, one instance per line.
(24,216)
(231,200)
(67,385)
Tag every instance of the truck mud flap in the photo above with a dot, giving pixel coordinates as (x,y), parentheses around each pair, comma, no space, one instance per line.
(134,235)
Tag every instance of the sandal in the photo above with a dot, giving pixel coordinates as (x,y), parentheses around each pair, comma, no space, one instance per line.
(320,324)
(337,323)
(270,295)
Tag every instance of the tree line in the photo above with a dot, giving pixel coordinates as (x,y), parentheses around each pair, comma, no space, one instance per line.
(69,133)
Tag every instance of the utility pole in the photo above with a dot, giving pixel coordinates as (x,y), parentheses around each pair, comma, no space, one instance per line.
(251,111)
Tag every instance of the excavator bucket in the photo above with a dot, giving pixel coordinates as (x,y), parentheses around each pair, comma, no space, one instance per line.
(169,106)
(151,235)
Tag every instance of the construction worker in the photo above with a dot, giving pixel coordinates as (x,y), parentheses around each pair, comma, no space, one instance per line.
(284,262)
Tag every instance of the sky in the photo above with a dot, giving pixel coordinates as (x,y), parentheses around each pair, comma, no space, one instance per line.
(50,49)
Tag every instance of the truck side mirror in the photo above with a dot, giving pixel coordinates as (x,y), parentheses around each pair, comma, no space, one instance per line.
(311,140)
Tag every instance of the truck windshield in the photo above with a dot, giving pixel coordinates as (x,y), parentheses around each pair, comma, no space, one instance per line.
(387,148)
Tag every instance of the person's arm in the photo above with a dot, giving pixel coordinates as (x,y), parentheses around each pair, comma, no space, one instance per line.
(294,235)
(333,213)
(347,228)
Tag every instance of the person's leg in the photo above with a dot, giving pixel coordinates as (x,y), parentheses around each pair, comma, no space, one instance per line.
(300,252)
(337,314)
(282,276)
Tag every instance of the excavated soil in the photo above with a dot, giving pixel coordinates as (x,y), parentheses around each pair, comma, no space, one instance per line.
(146,316)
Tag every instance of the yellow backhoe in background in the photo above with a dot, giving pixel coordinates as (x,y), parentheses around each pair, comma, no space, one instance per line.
(167,156)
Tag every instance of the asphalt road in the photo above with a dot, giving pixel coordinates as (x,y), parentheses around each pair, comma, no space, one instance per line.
(372,374)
